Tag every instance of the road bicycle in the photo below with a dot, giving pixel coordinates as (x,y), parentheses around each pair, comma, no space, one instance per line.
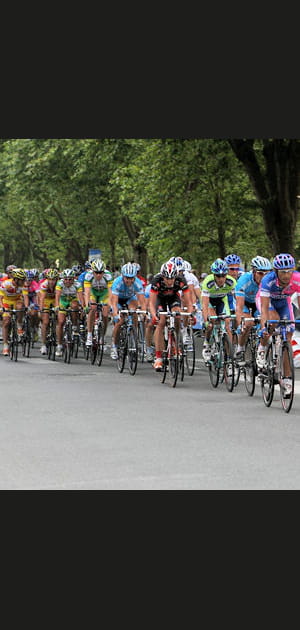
(141,344)
(51,332)
(188,347)
(127,343)
(69,336)
(172,349)
(26,339)
(14,338)
(248,367)
(279,364)
(95,351)
(221,362)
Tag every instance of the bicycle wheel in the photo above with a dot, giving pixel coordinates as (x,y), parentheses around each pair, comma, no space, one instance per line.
(27,339)
(249,368)
(181,356)
(122,349)
(100,344)
(67,343)
(93,348)
(286,367)
(237,369)
(214,365)
(173,358)
(141,342)
(267,378)
(132,351)
(190,354)
(228,363)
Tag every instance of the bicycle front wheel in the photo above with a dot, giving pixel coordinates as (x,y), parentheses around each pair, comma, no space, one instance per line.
(228,363)
(213,365)
(190,354)
(141,342)
(237,369)
(122,350)
(100,344)
(250,368)
(286,370)
(132,351)
(267,378)
(173,358)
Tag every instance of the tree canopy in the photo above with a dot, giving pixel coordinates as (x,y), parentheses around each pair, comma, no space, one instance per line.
(147,199)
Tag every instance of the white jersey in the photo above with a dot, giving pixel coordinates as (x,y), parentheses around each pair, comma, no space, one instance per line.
(192,279)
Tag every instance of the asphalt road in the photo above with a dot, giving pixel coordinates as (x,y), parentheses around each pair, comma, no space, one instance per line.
(84,427)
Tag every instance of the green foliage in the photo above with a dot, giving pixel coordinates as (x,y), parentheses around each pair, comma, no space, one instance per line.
(159,197)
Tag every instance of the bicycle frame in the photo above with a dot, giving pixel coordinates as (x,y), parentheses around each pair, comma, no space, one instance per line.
(221,363)
(127,344)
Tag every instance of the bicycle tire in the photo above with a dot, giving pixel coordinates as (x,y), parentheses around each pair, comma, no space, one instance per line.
(267,378)
(213,364)
(237,369)
(249,368)
(67,342)
(173,358)
(132,351)
(122,349)
(288,353)
(141,342)
(100,344)
(190,354)
(228,363)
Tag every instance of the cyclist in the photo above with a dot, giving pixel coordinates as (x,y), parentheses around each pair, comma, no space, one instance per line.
(33,291)
(68,293)
(126,292)
(87,269)
(273,300)
(245,292)
(233,262)
(169,289)
(46,298)
(97,288)
(216,288)
(14,294)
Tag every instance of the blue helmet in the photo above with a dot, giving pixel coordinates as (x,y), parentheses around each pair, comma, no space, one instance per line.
(284,261)
(219,267)
(232,259)
(129,270)
(30,275)
(261,264)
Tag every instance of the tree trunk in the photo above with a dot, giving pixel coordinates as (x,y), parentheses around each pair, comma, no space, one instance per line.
(276,186)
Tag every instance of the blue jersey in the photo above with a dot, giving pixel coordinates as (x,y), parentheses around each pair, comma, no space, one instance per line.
(246,287)
(124,292)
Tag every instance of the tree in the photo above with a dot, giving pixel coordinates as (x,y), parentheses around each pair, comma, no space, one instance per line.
(273,168)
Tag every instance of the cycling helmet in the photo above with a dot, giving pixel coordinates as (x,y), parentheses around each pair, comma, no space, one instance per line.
(18,274)
(52,274)
(29,274)
(68,273)
(169,270)
(219,267)
(284,261)
(98,265)
(178,262)
(10,268)
(261,264)
(77,269)
(128,270)
(232,259)
(186,265)
(35,272)
(87,264)
(138,267)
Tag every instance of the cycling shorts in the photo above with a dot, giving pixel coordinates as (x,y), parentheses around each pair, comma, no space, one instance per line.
(11,303)
(221,305)
(65,302)
(165,301)
(99,296)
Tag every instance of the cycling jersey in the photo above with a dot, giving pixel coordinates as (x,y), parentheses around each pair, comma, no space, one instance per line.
(280,297)
(218,296)
(99,286)
(161,289)
(123,291)
(247,288)
(9,290)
